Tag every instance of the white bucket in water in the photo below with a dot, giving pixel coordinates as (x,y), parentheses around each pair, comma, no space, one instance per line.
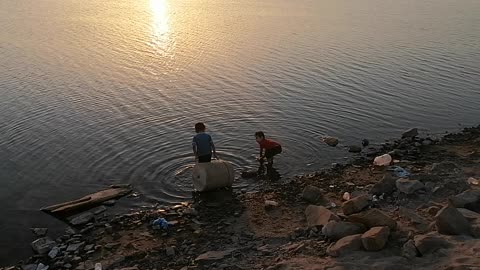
(213,175)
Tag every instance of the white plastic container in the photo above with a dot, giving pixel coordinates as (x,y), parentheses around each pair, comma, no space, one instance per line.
(383,160)
(213,175)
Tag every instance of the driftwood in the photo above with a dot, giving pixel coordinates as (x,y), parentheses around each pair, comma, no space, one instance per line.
(88,201)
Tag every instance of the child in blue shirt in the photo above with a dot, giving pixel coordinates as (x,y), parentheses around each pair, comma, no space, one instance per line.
(203,146)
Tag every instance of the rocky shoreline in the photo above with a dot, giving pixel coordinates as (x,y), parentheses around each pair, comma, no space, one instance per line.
(422,212)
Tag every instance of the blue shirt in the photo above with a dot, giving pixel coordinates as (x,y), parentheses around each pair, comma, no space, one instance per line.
(203,143)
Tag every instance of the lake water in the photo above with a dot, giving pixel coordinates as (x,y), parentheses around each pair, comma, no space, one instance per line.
(94,92)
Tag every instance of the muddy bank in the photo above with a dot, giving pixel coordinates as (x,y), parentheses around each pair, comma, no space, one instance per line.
(422,212)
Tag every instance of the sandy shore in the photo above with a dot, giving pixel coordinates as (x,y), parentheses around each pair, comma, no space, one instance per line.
(423,220)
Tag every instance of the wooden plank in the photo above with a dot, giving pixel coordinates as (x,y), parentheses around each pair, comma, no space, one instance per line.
(88,201)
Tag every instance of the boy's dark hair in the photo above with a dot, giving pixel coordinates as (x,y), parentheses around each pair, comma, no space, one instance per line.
(199,127)
(260,134)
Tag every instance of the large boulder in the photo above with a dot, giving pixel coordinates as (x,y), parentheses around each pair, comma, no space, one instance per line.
(413,132)
(331,141)
(312,194)
(319,215)
(469,199)
(339,229)
(450,221)
(373,218)
(386,185)
(376,238)
(43,245)
(430,243)
(408,186)
(355,205)
(345,245)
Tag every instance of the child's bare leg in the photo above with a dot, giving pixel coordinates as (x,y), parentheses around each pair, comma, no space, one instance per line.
(270,162)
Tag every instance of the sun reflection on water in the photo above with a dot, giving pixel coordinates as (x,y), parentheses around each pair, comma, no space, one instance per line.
(161,31)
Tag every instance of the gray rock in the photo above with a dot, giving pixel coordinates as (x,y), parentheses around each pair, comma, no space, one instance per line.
(408,186)
(354,149)
(430,243)
(29,267)
(40,232)
(170,251)
(75,247)
(426,142)
(339,229)
(319,216)
(412,216)
(43,245)
(112,245)
(70,231)
(214,255)
(110,202)
(409,250)
(445,167)
(376,238)
(469,199)
(450,221)
(269,204)
(82,219)
(413,132)
(355,205)
(99,210)
(468,214)
(373,218)
(386,185)
(345,245)
(42,266)
(89,247)
(312,194)
(331,141)
(54,252)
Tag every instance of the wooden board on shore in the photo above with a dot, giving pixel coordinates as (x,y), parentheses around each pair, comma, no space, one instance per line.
(88,201)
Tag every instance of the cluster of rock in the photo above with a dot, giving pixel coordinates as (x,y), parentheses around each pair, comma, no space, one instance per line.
(359,226)
(78,248)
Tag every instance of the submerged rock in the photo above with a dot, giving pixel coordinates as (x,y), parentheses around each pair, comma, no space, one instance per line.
(331,141)
(40,232)
(354,149)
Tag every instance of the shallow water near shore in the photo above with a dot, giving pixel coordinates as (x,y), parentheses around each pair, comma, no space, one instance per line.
(95,93)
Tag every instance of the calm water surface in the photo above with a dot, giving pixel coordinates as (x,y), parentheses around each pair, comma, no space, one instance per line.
(100,92)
